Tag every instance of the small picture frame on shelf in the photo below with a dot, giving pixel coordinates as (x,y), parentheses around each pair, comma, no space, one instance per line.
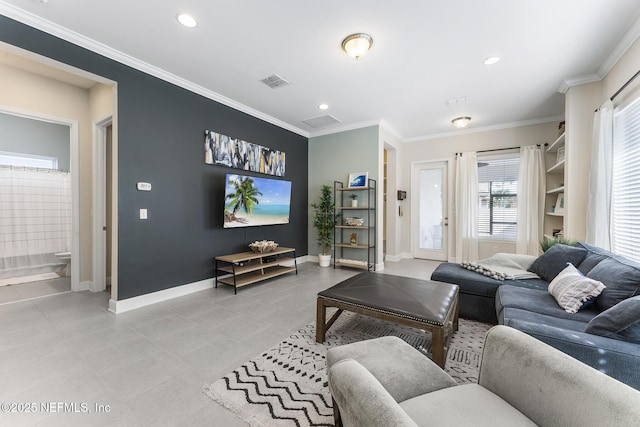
(358,179)
(560,203)
(560,155)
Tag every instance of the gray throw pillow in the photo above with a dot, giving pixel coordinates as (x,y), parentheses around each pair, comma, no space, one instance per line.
(622,321)
(555,259)
(621,276)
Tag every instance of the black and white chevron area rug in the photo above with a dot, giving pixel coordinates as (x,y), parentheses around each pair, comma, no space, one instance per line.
(287,384)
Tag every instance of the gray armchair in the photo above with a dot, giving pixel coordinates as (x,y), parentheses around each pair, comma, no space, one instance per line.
(522,382)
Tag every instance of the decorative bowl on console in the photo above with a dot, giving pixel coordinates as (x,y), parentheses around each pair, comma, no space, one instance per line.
(263,246)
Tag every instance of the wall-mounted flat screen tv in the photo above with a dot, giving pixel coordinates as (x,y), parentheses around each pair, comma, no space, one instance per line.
(251,201)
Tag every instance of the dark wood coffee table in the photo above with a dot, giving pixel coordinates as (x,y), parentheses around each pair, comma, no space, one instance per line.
(423,304)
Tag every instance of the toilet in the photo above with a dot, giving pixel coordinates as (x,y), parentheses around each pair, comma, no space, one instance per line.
(65,257)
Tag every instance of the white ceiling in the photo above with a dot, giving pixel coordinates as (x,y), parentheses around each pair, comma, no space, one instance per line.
(424,53)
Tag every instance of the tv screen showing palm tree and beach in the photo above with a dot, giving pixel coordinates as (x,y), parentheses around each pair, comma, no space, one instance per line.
(251,201)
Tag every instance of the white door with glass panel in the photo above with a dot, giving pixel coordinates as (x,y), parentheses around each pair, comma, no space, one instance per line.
(429,224)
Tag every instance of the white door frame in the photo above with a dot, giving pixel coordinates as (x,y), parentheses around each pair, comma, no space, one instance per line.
(99,202)
(415,205)
(75,183)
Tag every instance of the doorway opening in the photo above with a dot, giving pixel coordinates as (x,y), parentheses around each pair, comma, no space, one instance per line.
(40,214)
(102,204)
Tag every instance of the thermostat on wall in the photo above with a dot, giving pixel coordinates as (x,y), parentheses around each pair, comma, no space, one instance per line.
(143,186)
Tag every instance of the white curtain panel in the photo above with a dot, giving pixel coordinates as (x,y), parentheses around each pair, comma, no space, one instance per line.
(531,194)
(35,217)
(599,203)
(466,199)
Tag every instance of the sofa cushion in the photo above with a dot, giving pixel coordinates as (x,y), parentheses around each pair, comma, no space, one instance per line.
(622,321)
(474,283)
(555,259)
(593,257)
(572,290)
(621,276)
(539,301)
(537,320)
(464,405)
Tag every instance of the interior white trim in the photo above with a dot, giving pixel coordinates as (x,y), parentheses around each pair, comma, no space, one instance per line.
(343,128)
(75,183)
(578,80)
(129,304)
(99,203)
(616,54)
(388,128)
(487,128)
(109,52)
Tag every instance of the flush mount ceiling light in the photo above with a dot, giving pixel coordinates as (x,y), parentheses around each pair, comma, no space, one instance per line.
(186,20)
(461,122)
(323,106)
(357,44)
(491,60)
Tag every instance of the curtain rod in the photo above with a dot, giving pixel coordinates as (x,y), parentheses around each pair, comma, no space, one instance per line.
(501,149)
(624,86)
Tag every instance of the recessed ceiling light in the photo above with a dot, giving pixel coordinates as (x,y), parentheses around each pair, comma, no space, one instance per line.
(491,60)
(461,122)
(323,106)
(186,20)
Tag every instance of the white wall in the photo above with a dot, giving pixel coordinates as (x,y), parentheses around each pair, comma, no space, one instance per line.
(439,149)
(580,104)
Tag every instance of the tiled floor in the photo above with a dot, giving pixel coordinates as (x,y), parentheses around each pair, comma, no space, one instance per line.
(149,365)
(13,293)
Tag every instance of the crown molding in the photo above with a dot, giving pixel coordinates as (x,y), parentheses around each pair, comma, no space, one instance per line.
(623,46)
(616,54)
(486,128)
(389,129)
(66,34)
(343,128)
(578,80)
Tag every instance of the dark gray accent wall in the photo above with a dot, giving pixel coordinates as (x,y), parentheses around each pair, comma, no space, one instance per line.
(161,141)
(30,136)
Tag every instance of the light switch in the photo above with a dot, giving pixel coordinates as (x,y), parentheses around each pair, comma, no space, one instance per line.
(143,214)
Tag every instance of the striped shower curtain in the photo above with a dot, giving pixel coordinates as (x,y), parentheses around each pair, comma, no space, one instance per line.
(35,219)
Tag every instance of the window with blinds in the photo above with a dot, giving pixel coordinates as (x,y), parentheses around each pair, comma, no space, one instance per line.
(625,196)
(498,197)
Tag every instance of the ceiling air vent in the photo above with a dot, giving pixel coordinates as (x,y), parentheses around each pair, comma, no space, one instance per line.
(318,122)
(274,81)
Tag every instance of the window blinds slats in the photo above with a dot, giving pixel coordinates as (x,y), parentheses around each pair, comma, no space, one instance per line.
(497,193)
(625,200)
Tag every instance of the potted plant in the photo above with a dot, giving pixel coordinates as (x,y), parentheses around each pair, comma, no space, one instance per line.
(354,200)
(547,242)
(324,221)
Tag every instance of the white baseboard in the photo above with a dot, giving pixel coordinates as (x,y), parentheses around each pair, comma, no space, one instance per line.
(129,304)
(398,257)
(84,286)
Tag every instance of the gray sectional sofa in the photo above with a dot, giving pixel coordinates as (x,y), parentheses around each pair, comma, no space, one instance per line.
(604,334)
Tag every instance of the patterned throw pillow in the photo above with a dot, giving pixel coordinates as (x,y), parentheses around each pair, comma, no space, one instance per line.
(572,290)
